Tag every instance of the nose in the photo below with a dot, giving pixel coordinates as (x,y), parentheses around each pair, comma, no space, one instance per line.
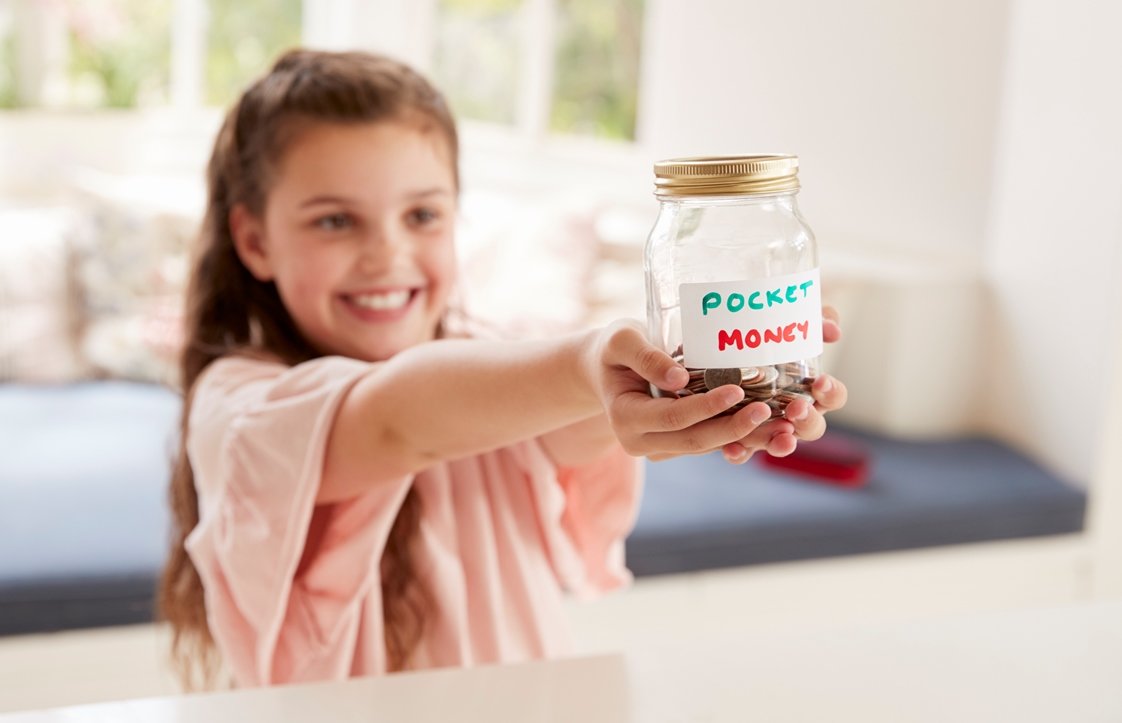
(381,249)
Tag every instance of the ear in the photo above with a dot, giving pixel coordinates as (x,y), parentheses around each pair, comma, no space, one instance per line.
(249,241)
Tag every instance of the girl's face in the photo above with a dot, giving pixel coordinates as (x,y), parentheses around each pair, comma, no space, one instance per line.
(357,236)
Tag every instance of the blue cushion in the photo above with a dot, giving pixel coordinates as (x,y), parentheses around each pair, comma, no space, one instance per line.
(701,512)
(84,520)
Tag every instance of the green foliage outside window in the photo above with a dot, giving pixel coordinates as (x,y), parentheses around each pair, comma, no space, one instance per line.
(596,62)
(597,67)
(119,52)
(244,39)
(477,57)
(8,95)
(120,55)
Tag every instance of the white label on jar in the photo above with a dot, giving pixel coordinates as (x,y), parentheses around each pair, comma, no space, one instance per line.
(751,323)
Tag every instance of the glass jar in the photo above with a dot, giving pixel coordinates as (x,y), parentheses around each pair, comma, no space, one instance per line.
(733,290)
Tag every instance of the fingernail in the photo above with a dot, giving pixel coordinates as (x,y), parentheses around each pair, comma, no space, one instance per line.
(825,385)
(799,415)
(732,396)
(760,414)
(677,375)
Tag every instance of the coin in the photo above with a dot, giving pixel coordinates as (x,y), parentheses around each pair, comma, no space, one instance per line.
(751,375)
(720,377)
(765,376)
(777,385)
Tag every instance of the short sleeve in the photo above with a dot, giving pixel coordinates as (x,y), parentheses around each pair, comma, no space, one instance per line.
(584,514)
(257,435)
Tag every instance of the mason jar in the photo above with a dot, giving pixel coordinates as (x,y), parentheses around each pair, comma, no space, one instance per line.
(733,289)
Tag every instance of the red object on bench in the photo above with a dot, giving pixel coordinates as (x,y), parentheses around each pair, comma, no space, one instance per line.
(834,459)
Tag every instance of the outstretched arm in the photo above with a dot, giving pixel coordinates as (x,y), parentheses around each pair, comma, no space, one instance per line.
(454,398)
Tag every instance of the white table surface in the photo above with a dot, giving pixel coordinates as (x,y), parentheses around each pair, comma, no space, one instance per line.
(1059,664)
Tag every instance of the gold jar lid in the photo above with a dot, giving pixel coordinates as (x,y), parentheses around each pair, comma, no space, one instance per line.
(727,175)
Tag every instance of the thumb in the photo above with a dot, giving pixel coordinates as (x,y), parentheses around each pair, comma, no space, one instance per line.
(629,347)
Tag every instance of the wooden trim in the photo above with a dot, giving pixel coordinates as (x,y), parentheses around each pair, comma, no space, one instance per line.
(1104,513)
(188,53)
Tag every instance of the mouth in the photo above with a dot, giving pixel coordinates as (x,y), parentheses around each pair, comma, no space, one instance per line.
(382,305)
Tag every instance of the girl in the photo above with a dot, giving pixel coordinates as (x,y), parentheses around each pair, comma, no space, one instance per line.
(355,492)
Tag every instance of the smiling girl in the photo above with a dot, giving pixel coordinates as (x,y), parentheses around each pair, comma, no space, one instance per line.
(355,492)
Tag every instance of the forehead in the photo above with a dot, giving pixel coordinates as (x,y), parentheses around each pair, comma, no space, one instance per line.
(368,159)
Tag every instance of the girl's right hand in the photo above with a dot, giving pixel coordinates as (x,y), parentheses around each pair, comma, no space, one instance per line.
(626,364)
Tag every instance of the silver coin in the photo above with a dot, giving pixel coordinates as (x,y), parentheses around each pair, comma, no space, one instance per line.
(720,377)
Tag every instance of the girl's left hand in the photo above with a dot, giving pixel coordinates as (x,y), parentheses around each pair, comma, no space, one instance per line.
(803,420)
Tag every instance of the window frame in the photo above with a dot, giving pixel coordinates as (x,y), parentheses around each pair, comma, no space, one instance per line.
(405,29)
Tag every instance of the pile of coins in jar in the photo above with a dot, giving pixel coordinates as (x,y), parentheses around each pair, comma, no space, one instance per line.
(775,385)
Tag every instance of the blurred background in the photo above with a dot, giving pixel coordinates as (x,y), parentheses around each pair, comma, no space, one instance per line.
(960,166)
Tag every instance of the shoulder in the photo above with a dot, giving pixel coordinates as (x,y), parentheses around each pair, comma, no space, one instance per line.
(235,369)
(231,380)
(262,409)
(248,382)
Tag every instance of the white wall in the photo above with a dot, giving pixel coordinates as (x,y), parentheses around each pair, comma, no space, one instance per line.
(1053,251)
(891,105)
(978,145)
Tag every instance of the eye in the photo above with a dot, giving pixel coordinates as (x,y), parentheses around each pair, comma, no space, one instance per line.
(335,222)
(423,216)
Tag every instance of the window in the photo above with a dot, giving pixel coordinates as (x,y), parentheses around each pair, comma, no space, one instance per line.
(536,66)
(566,66)
(597,81)
(243,39)
(8,97)
(477,57)
(118,53)
(138,53)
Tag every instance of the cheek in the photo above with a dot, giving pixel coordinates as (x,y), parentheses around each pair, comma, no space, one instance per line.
(440,260)
(307,274)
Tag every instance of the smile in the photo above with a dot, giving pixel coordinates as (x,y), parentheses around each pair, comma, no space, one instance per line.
(383,302)
(381,306)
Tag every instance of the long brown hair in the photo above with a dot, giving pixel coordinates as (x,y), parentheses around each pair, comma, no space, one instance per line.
(228,311)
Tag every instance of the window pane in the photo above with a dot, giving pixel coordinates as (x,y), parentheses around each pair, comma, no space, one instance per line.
(597,67)
(477,57)
(8,96)
(120,52)
(243,39)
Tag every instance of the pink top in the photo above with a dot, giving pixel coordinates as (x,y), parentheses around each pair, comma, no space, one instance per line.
(501,536)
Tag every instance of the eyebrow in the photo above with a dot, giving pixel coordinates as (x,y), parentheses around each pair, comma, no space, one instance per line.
(345,200)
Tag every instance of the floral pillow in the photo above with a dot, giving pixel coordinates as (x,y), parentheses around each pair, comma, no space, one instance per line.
(130,252)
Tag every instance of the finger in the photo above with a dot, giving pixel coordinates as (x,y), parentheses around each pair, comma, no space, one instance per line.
(782,445)
(808,422)
(829,394)
(831,326)
(710,434)
(736,453)
(644,414)
(629,348)
(760,437)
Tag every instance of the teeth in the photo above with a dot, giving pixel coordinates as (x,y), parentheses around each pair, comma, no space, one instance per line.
(382,302)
